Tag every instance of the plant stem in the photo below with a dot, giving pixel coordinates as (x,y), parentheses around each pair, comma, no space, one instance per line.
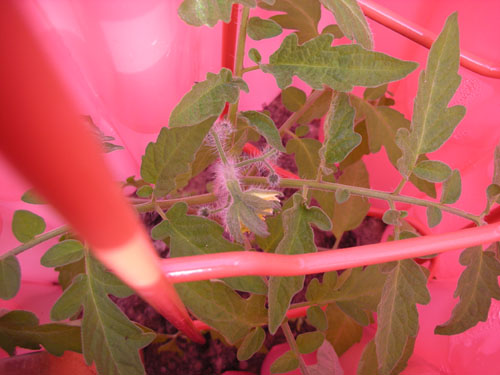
(293,345)
(249,69)
(255,160)
(219,147)
(37,240)
(167,203)
(315,94)
(240,54)
(364,192)
(400,187)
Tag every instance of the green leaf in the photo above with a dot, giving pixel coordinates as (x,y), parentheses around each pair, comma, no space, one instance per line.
(32,197)
(317,63)
(374,93)
(382,124)
(222,308)
(10,277)
(63,253)
(342,196)
(26,225)
(144,191)
(477,285)
(171,155)
(259,28)
(207,99)
(391,217)
(251,344)
(68,272)
(343,331)
(350,214)
(368,363)
(340,138)
(318,110)
(434,216)
(321,293)
(433,122)
(265,126)
(195,235)
(310,341)
(298,239)
(285,363)
(432,171)
(21,328)
(109,338)
(317,318)
(397,314)
(307,158)
(254,55)
(328,362)
(302,16)
(293,98)
(351,20)
(209,12)
(452,188)
(302,130)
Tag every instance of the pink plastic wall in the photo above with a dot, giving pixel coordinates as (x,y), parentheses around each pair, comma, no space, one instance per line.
(128,63)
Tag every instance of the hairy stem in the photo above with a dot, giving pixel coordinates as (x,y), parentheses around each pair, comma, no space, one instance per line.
(249,69)
(257,159)
(219,147)
(37,240)
(297,115)
(293,345)
(240,54)
(364,192)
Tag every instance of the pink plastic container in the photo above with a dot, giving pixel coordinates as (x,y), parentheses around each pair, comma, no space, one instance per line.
(128,63)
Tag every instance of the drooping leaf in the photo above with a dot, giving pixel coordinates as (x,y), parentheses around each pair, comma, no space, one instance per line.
(433,122)
(31,197)
(285,363)
(10,277)
(251,344)
(317,63)
(259,28)
(63,253)
(109,338)
(351,20)
(293,98)
(317,318)
(374,93)
(209,12)
(350,214)
(310,341)
(254,55)
(302,16)
(382,124)
(434,216)
(477,285)
(26,225)
(397,314)
(265,126)
(307,158)
(343,331)
(21,329)
(298,239)
(452,188)
(195,235)
(432,170)
(171,155)
(207,99)
(328,362)
(222,308)
(340,137)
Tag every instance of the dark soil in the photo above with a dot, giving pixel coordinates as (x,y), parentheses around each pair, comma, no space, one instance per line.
(215,357)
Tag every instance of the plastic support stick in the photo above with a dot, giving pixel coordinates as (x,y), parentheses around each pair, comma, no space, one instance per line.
(43,137)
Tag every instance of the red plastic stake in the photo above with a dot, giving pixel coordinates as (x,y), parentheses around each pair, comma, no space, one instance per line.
(44,138)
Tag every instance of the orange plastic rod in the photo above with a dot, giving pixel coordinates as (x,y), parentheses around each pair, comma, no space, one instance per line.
(203,267)
(424,37)
(43,137)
